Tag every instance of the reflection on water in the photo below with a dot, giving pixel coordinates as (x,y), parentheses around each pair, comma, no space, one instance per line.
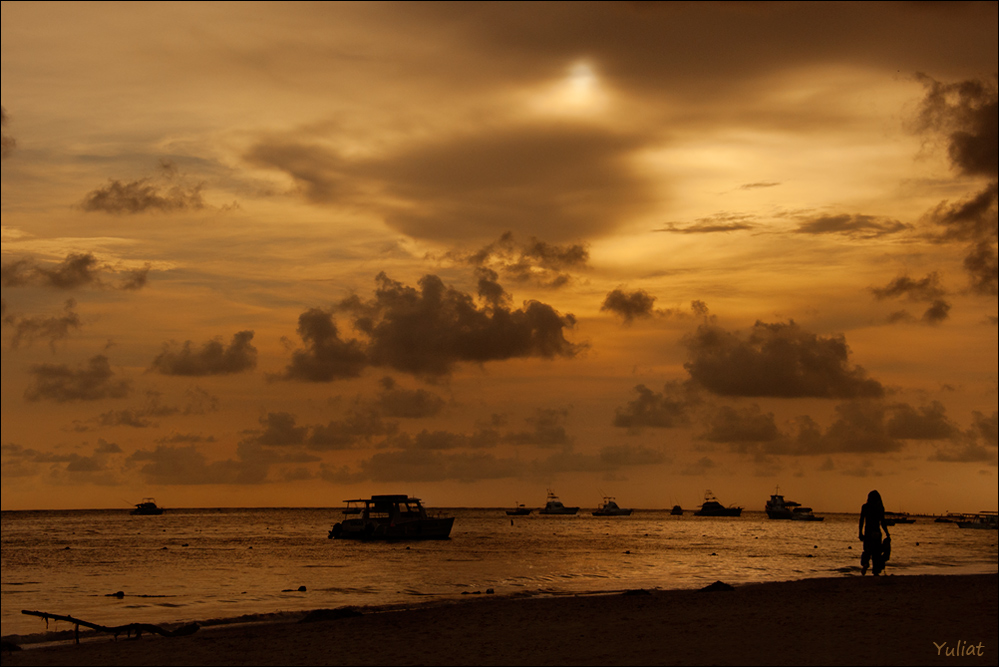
(191,565)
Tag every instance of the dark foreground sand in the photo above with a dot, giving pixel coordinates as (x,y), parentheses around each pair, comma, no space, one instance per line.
(896,620)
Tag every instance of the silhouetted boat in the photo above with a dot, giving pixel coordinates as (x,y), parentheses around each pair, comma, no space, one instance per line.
(390,517)
(610,508)
(147,507)
(778,508)
(982,520)
(519,510)
(804,514)
(555,506)
(892,518)
(711,507)
(676,511)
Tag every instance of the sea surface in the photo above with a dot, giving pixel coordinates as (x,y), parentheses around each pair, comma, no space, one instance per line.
(234,565)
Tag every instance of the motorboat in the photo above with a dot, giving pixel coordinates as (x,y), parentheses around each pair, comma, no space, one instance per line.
(982,520)
(390,517)
(778,508)
(147,507)
(555,506)
(804,514)
(711,507)
(676,511)
(610,508)
(519,510)
(892,518)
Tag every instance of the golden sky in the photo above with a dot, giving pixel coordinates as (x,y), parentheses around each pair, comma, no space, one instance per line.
(283,254)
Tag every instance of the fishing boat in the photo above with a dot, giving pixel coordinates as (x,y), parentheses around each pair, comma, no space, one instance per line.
(711,507)
(982,520)
(892,518)
(610,508)
(555,506)
(390,517)
(804,514)
(778,508)
(519,509)
(147,507)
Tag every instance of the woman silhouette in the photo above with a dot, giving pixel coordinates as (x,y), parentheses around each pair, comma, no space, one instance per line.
(872,520)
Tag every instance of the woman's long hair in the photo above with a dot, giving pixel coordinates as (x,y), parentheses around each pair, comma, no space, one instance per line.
(875,507)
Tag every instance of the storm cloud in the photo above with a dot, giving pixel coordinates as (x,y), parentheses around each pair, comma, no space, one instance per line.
(779,360)
(213,357)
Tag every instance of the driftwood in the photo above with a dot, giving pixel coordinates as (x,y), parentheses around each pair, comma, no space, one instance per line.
(128,629)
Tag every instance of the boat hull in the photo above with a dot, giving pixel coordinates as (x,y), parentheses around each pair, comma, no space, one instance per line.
(565,511)
(419,529)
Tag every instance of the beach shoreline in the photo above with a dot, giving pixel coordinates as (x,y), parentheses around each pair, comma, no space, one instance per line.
(903,619)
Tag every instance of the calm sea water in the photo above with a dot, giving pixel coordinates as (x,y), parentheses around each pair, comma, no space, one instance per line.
(205,564)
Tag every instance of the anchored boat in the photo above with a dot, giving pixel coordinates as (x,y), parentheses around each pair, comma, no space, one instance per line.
(390,517)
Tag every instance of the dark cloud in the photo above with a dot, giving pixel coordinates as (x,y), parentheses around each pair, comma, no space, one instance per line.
(857,226)
(427,331)
(925,289)
(968,113)
(279,431)
(538,262)
(21,461)
(987,428)
(668,409)
(420,465)
(780,360)
(60,383)
(563,181)
(747,425)
(712,225)
(928,422)
(759,184)
(620,456)
(637,304)
(76,271)
(187,465)
(7,142)
(144,195)
(52,329)
(401,403)
(213,358)
(547,429)
(427,440)
(326,357)
(937,312)
(357,427)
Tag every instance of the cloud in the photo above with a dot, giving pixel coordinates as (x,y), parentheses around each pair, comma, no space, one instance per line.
(747,425)
(856,226)
(214,358)
(60,383)
(419,465)
(547,429)
(538,262)
(426,332)
(186,465)
(407,403)
(7,142)
(142,195)
(76,271)
(560,181)
(657,410)
(967,111)
(759,184)
(928,422)
(427,440)
(629,306)
(53,329)
(779,360)
(345,433)
(718,223)
(926,289)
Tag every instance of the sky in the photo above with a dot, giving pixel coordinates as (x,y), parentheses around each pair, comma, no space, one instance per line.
(286,254)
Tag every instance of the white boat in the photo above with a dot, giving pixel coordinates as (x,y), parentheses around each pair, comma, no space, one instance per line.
(610,508)
(390,517)
(555,506)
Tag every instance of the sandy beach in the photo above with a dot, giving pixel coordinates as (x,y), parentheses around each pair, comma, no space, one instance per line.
(894,620)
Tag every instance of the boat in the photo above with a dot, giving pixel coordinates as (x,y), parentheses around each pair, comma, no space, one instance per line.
(804,514)
(892,518)
(982,520)
(778,508)
(555,506)
(519,510)
(390,517)
(610,508)
(147,507)
(676,511)
(711,507)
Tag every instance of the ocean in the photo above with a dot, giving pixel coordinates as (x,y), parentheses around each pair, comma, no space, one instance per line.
(235,565)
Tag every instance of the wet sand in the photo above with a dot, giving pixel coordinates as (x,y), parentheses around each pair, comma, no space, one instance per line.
(894,620)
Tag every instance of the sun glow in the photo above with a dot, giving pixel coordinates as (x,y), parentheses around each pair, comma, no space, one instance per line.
(579,93)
